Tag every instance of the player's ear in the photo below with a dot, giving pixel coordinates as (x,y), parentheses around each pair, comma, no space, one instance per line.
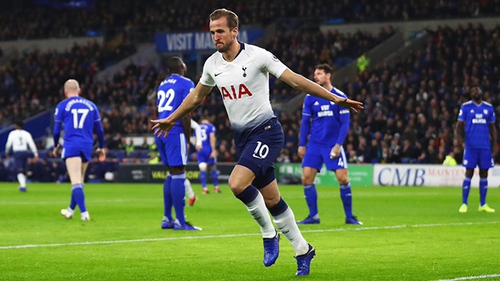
(234,32)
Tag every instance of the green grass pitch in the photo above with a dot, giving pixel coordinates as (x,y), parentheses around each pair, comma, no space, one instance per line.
(408,234)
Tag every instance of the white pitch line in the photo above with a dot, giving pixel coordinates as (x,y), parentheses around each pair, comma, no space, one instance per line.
(472,277)
(27,246)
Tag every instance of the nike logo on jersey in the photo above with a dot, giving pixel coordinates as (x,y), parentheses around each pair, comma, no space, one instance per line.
(217,74)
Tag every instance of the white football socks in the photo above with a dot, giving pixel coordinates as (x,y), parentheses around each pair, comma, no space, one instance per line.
(287,225)
(189,189)
(21,178)
(258,211)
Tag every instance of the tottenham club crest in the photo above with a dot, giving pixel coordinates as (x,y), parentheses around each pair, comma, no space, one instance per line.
(244,70)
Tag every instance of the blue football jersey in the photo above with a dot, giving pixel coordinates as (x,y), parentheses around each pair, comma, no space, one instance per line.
(330,122)
(78,116)
(205,130)
(477,120)
(171,92)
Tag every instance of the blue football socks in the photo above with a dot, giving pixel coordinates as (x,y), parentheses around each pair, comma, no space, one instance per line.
(178,191)
(346,196)
(311,195)
(203,179)
(167,198)
(483,190)
(215,177)
(465,190)
(79,196)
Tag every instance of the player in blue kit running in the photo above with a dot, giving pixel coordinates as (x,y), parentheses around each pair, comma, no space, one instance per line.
(173,149)
(326,124)
(241,72)
(476,125)
(79,118)
(207,154)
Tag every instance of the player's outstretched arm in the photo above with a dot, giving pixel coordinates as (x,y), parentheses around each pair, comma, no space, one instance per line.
(193,100)
(298,81)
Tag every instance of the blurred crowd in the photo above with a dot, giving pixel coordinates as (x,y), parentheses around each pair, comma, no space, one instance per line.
(30,19)
(301,51)
(127,101)
(411,106)
(29,83)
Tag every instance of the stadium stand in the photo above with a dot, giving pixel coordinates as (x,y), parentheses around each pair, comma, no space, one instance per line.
(411,105)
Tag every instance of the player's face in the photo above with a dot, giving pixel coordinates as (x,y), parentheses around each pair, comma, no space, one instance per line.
(222,36)
(321,77)
(476,93)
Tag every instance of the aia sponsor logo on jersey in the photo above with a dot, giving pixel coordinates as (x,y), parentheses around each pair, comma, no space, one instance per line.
(233,94)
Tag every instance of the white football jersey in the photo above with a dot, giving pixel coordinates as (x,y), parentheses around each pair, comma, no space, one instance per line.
(20,140)
(244,85)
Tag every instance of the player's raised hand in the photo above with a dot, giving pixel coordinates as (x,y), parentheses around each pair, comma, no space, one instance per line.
(161,127)
(354,105)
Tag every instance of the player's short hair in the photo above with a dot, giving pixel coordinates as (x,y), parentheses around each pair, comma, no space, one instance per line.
(325,67)
(175,64)
(19,123)
(474,86)
(231,17)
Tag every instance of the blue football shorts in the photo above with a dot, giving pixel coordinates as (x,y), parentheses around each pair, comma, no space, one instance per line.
(204,156)
(172,149)
(481,157)
(21,160)
(73,151)
(316,155)
(260,151)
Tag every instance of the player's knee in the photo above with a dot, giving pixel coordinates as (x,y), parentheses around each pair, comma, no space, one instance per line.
(270,202)
(469,173)
(235,185)
(483,173)
(342,179)
(307,179)
(202,166)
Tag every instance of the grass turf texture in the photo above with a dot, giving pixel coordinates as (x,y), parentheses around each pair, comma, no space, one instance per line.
(408,234)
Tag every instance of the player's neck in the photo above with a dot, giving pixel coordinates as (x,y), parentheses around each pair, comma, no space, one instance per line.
(478,102)
(329,87)
(233,51)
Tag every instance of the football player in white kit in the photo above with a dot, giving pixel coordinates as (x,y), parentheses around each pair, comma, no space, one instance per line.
(241,72)
(21,143)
